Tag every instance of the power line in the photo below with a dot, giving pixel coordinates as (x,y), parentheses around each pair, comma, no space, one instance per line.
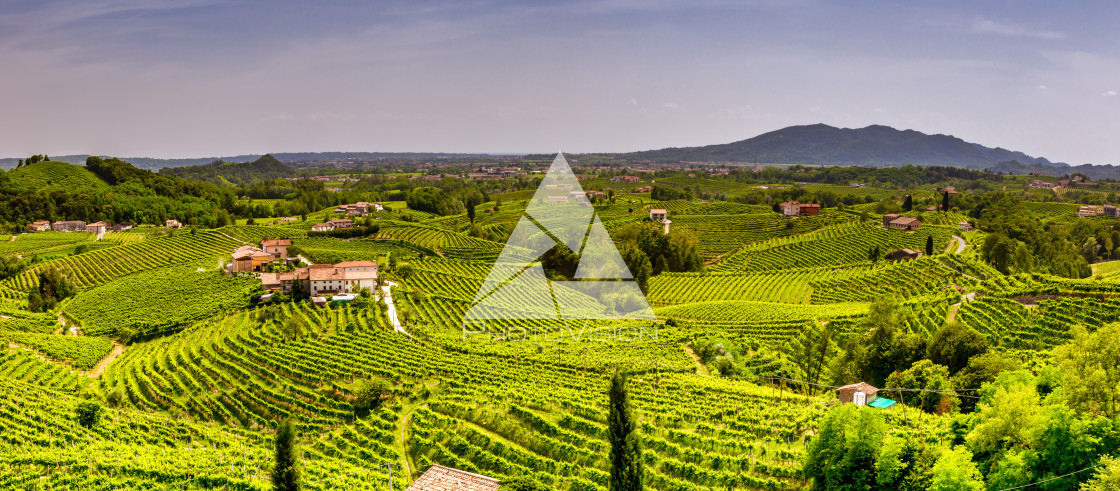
(1052,478)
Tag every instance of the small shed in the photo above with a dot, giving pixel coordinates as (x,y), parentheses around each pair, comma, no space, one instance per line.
(859,394)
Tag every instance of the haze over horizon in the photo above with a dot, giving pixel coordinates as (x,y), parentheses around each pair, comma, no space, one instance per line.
(197,78)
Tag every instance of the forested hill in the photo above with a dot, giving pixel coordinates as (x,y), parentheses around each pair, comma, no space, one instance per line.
(226,173)
(823,144)
(107,189)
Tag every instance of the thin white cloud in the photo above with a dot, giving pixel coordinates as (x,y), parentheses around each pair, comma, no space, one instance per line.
(1041,87)
(669,105)
(1109,93)
(985,26)
(632,102)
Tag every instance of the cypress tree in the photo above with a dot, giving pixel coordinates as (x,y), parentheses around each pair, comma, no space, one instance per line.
(945,202)
(929,245)
(908,204)
(626,453)
(285,474)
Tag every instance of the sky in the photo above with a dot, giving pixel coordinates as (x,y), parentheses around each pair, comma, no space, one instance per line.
(201,78)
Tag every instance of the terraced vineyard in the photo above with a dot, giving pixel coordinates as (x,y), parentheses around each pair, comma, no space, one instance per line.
(840,245)
(100,266)
(41,243)
(791,286)
(136,306)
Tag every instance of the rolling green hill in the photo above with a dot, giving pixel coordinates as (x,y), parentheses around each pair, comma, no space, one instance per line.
(52,175)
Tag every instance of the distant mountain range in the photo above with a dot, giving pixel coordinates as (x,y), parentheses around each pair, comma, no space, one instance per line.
(821,144)
(151,163)
(817,144)
(876,145)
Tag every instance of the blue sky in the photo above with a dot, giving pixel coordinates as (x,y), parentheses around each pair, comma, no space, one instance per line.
(196,78)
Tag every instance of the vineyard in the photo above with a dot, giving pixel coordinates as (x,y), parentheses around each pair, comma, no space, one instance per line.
(194,374)
(101,266)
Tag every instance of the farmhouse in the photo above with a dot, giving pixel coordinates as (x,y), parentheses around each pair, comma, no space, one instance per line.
(121,227)
(810,209)
(1111,211)
(40,226)
(97,227)
(69,226)
(249,259)
(277,248)
(326,279)
(905,223)
(360,208)
(322,227)
(440,478)
(281,221)
(342,223)
(643,189)
(965,226)
(1090,211)
(904,254)
(795,208)
(626,179)
(173,224)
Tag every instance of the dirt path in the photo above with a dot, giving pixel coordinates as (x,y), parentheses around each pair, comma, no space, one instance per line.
(99,369)
(392,308)
(961,244)
(700,368)
(404,441)
(952,314)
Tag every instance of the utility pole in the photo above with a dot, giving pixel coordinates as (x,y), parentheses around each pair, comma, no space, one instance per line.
(389,466)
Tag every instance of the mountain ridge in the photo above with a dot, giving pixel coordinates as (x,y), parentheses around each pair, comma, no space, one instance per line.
(821,144)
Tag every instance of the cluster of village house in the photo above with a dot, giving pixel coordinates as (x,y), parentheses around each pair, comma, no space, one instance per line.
(1098,211)
(340,281)
(80,226)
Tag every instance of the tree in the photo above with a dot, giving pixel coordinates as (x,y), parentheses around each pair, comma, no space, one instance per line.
(639,265)
(297,292)
(908,204)
(369,395)
(844,453)
(1106,477)
(1091,381)
(285,471)
(955,471)
(954,344)
(937,395)
(626,452)
(983,369)
(470,212)
(88,413)
(929,245)
(810,351)
(945,202)
(1006,414)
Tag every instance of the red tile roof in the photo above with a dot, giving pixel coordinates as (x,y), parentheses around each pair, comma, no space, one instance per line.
(440,478)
